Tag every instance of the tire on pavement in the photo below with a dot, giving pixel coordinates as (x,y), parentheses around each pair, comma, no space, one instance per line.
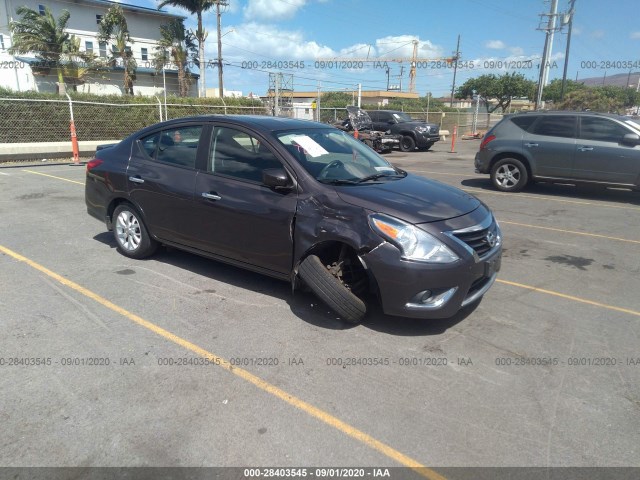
(331,291)
(131,234)
(407,143)
(509,175)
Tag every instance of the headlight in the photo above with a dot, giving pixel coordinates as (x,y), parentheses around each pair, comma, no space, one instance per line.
(414,244)
(423,129)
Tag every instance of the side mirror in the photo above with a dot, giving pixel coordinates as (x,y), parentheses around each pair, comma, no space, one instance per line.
(631,139)
(276,178)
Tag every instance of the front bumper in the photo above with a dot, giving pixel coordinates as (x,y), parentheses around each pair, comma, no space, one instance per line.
(426,139)
(402,283)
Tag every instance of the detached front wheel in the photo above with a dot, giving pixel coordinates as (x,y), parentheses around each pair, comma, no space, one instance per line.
(332,290)
(130,233)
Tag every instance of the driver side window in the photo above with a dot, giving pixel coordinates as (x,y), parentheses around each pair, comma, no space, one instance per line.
(237,154)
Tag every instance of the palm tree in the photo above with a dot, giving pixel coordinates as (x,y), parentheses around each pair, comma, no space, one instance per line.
(197,8)
(113,27)
(176,45)
(44,36)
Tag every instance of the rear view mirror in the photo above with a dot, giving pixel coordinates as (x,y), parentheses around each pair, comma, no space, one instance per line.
(276,178)
(631,139)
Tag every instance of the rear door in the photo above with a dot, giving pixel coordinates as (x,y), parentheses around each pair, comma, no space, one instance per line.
(238,216)
(551,143)
(600,154)
(161,178)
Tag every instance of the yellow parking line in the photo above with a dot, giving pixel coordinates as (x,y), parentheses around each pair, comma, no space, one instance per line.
(53,176)
(570,297)
(503,222)
(309,409)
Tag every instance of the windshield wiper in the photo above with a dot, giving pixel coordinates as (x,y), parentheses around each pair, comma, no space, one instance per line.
(376,176)
(338,181)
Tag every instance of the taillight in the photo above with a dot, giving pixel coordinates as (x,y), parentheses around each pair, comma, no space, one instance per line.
(486,140)
(91,164)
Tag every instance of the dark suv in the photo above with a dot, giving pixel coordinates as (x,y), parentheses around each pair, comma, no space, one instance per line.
(414,133)
(564,147)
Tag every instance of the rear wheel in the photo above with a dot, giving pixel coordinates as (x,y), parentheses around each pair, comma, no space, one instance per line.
(407,143)
(509,175)
(130,233)
(332,288)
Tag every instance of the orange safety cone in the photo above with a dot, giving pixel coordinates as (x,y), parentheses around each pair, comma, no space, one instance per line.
(74,144)
(356,134)
(453,139)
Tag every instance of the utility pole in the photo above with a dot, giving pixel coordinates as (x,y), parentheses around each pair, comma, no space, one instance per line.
(455,70)
(412,71)
(400,76)
(276,96)
(566,54)
(388,70)
(218,15)
(359,94)
(548,45)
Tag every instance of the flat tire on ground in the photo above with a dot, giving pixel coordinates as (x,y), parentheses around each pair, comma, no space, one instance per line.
(331,291)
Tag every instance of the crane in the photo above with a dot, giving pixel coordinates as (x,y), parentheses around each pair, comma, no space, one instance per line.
(413,61)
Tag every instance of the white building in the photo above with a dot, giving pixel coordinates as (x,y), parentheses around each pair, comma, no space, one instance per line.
(144,25)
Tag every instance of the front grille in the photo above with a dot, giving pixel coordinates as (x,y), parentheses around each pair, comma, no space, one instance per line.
(481,241)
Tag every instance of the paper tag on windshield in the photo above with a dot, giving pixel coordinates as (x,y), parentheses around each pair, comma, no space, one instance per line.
(384,169)
(309,144)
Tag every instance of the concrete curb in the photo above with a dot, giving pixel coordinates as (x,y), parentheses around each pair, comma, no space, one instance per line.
(10,152)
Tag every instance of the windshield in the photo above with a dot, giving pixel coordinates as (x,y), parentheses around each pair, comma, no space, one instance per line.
(633,123)
(333,156)
(402,117)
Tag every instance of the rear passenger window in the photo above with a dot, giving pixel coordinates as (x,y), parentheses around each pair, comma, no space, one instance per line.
(179,146)
(524,121)
(556,126)
(601,129)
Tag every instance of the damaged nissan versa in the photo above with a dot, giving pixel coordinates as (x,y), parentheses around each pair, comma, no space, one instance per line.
(302,202)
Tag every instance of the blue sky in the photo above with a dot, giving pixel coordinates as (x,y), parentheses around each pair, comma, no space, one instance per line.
(498,33)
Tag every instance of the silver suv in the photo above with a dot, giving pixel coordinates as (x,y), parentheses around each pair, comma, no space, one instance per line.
(566,147)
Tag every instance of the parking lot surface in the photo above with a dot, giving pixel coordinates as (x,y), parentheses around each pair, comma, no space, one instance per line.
(182,361)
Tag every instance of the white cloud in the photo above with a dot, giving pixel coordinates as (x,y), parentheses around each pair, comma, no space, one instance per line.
(495,44)
(516,51)
(272,10)
(597,33)
(635,35)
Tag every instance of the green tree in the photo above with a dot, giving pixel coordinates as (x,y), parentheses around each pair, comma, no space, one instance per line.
(197,8)
(45,36)
(176,46)
(499,88)
(113,27)
(551,93)
(587,99)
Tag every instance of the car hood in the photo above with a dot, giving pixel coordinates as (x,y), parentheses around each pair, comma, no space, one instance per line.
(414,199)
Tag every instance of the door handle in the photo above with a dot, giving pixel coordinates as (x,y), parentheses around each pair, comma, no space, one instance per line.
(530,144)
(585,149)
(136,179)
(211,196)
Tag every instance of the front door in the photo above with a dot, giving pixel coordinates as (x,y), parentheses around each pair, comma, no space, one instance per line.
(551,143)
(238,217)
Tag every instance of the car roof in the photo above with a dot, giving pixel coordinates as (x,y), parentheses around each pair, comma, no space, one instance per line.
(571,112)
(260,122)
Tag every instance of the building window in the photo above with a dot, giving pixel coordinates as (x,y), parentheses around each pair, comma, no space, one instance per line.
(42,10)
(98,19)
(88,46)
(145,54)
(103,49)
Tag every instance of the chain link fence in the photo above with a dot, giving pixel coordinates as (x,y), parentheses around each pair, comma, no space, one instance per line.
(37,120)
(33,121)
